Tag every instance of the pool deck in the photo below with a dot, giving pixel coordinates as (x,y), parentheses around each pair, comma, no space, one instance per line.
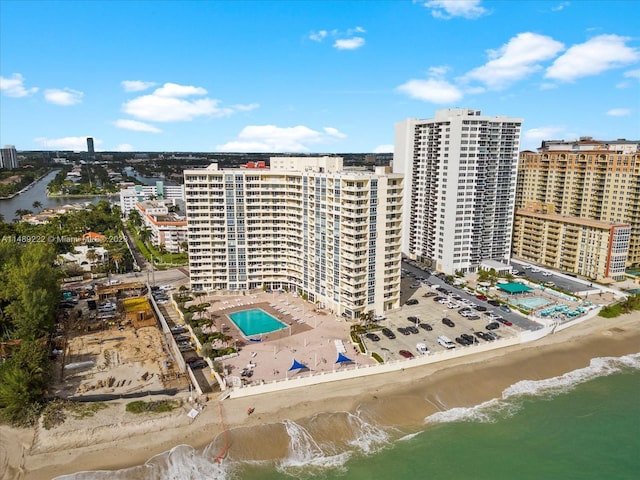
(310,337)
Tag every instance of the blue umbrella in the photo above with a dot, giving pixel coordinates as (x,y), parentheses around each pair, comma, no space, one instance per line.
(297,365)
(343,359)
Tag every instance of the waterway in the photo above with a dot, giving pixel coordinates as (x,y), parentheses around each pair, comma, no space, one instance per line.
(38,193)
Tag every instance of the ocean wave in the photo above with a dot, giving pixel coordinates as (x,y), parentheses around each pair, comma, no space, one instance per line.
(598,367)
(180,463)
(305,455)
(499,408)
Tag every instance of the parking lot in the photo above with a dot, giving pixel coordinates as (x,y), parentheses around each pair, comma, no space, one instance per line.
(544,276)
(432,307)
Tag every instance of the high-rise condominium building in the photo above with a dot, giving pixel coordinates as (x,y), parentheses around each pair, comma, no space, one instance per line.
(588,178)
(460,173)
(304,224)
(8,157)
(90,150)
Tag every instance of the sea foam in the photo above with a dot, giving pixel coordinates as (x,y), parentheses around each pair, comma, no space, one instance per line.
(498,408)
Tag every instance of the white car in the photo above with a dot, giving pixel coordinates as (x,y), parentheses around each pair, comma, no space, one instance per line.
(422,348)
(377,318)
(547,274)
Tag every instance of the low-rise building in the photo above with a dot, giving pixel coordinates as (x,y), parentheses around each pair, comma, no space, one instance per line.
(590,248)
(168,229)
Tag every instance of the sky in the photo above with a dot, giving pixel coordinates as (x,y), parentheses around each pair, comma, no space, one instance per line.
(315,76)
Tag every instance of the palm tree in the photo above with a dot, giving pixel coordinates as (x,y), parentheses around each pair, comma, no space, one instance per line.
(117,258)
(92,256)
(36,205)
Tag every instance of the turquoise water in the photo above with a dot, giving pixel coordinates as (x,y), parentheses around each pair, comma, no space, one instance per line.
(531,302)
(583,425)
(588,431)
(256,322)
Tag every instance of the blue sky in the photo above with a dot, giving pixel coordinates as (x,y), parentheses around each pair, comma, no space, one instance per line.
(309,76)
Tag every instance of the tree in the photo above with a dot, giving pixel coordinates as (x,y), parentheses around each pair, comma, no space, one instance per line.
(36,205)
(117,258)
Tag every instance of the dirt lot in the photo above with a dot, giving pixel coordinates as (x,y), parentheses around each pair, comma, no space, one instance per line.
(113,359)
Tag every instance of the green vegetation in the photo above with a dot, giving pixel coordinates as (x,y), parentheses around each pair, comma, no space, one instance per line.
(94,180)
(12,181)
(29,296)
(627,306)
(155,254)
(158,406)
(55,412)
(377,357)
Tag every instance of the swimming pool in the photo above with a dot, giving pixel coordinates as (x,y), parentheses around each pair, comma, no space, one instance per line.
(256,322)
(531,303)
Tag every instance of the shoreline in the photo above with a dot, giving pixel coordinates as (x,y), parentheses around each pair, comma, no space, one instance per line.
(414,393)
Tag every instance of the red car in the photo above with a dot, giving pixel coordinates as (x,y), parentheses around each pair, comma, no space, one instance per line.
(406,353)
(481,297)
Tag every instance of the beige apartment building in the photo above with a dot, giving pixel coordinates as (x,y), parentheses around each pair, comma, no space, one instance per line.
(586,179)
(303,224)
(590,248)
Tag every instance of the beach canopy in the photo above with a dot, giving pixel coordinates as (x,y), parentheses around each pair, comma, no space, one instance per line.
(514,287)
(297,365)
(343,359)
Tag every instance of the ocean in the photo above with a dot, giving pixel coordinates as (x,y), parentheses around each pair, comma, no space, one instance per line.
(584,424)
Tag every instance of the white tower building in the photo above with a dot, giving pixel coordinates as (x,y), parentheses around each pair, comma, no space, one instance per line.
(460,173)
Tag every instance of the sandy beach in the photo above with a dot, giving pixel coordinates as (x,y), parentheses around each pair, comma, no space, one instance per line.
(114,439)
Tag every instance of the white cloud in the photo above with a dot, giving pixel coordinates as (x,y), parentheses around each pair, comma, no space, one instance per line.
(124,147)
(535,136)
(619,112)
(166,104)
(351,31)
(318,36)
(560,6)
(349,43)
(334,132)
(271,138)
(595,56)
(632,74)
(246,108)
(136,126)
(14,86)
(78,144)
(432,90)
(447,9)
(63,97)
(136,85)
(519,57)
(383,149)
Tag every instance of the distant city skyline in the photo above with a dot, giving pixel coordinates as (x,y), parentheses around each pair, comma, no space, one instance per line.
(309,76)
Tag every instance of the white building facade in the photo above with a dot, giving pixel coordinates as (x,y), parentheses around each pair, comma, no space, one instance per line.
(304,224)
(460,172)
(8,157)
(167,229)
(139,193)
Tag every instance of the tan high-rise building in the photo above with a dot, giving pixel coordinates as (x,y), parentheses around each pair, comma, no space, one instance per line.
(304,224)
(586,179)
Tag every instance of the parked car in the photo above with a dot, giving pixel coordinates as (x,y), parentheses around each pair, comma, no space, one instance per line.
(505,308)
(413,319)
(178,329)
(422,348)
(404,331)
(495,303)
(448,322)
(388,333)
(503,321)
(426,326)
(193,359)
(373,337)
(198,364)
(481,297)
(378,318)
(470,338)
(406,353)
(413,330)
(411,301)
(493,326)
